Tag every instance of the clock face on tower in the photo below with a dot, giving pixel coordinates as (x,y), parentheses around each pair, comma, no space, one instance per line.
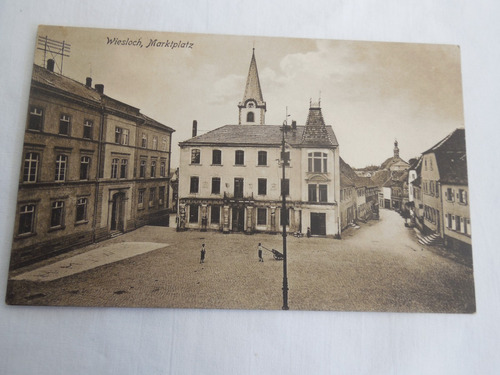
(251,105)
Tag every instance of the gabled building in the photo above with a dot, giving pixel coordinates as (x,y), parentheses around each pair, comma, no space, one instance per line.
(79,181)
(445,191)
(230,179)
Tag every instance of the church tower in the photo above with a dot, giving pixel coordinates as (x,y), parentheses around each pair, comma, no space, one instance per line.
(252,109)
(396,149)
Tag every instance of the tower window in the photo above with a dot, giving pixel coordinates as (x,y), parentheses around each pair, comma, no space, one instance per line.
(250,117)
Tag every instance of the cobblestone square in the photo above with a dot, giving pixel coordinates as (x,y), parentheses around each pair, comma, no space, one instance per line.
(378,267)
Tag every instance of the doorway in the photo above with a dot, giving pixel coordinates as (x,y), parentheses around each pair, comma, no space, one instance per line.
(318,223)
(118,212)
(238,219)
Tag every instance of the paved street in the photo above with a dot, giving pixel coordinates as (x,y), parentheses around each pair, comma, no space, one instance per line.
(378,267)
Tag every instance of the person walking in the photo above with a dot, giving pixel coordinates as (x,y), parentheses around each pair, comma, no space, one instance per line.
(260,253)
(203,252)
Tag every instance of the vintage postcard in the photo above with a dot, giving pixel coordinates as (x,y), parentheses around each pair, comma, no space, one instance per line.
(162,169)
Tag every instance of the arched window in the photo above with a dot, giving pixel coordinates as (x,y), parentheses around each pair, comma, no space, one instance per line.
(250,117)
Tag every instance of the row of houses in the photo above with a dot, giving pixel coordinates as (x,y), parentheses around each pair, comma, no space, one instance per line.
(92,167)
(439,193)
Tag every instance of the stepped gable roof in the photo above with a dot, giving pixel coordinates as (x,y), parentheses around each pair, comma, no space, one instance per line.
(255,135)
(252,87)
(316,132)
(69,86)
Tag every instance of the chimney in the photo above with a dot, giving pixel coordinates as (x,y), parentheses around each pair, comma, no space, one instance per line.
(50,65)
(195,128)
(99,88)
(88,82)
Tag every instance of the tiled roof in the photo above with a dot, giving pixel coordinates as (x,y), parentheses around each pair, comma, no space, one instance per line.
(452,167)
(451,158)
(455,141)
(58,81)
(351,177)
(391,161)
(315,132)
(249,135)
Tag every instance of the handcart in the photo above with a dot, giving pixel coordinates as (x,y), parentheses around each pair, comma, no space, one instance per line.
(276,254)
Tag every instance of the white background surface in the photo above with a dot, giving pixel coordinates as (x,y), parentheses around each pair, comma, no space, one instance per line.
(50,340)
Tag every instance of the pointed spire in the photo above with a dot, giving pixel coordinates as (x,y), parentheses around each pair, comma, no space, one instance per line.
(396,149)
(315,132)
(252,108)
(252,88)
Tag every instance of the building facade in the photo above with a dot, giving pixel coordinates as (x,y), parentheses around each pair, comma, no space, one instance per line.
(78,183)
(230,179)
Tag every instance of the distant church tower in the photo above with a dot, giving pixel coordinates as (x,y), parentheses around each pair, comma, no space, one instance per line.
(252,109)
(396,149)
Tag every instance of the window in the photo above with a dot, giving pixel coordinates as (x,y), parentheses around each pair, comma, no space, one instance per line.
(216,157)
(462,195)
(162,169)
(87,129)
(155,143)
(27,219)
(61,162)
(285,186)
(238,188)
(161,195)
(195,156)
(35,119)
(164,144)
(81,209)
(123,168)
(114,168)
(457,223)
(142,169)
(239,157)
(449,194)
(64,123)
(140,198)
(250,117)
(121,136)
(323,193)
(30,169)
(261,216)
(125,137)
(153,168)
(312,197)
(215,185)
(215,215)
(449,224)
(262,186)
(193,213)
(152,193)
(144,141)
(317,162)
(57,214)
(262,158)
(193,187)
(84,168)
(118,135)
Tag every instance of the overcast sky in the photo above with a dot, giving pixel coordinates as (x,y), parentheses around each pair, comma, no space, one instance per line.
(371,93)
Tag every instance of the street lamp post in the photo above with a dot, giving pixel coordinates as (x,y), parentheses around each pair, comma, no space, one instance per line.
(284,216)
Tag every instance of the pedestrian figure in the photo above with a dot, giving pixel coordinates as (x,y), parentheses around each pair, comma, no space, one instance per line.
(260,253)
(203,251)
(308,232)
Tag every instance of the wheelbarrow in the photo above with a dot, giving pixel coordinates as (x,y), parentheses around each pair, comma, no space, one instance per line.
(276,254)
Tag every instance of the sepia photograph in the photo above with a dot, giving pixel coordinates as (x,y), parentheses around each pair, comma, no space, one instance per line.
(202,171)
